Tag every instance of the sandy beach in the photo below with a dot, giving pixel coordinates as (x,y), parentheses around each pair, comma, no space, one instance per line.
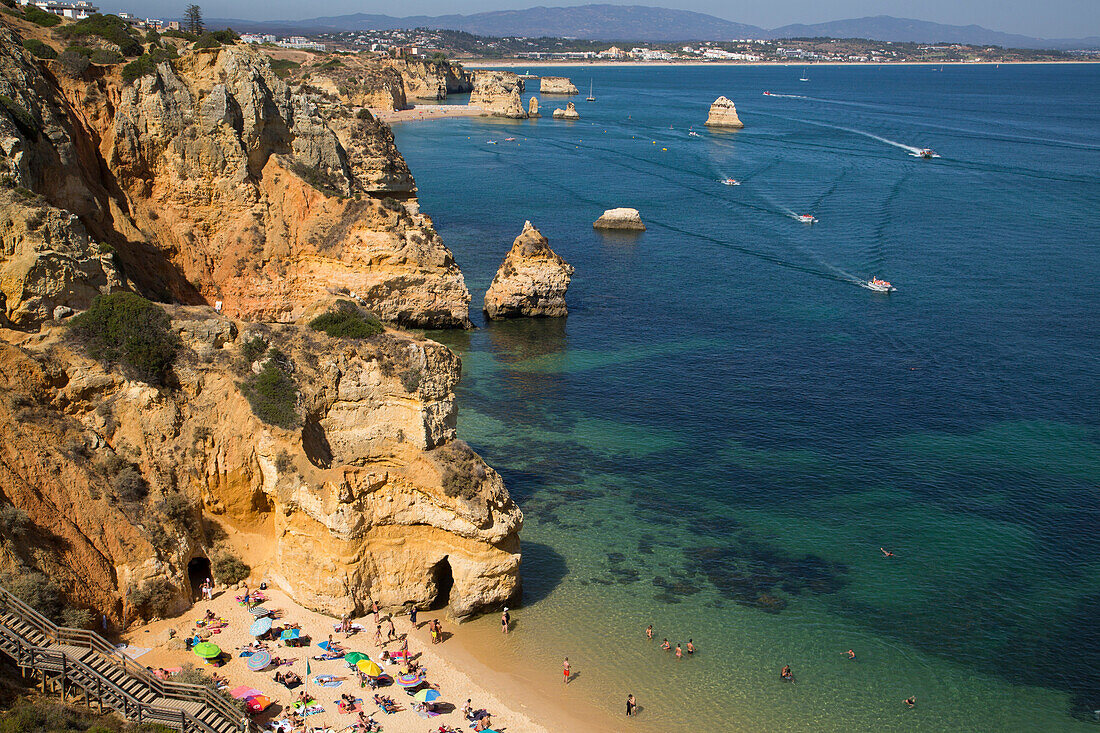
(427,112)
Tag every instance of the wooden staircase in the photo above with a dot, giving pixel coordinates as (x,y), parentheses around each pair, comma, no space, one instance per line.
(84,667)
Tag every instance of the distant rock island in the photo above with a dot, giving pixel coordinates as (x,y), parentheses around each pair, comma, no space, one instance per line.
(498,93)
(531,281)
(569,113)
(724,114)
(557,85)
(622,219)
(533,107)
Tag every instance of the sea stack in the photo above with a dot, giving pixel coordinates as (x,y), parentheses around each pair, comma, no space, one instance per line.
(569,113)
(531,281)
(498,94)
(533,107)
(724,114)
(557,85)
(621,219)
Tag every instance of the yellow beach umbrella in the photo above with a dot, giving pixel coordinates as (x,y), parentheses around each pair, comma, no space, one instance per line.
(369,668)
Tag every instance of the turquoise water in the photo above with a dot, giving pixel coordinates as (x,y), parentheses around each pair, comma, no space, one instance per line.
(727,428)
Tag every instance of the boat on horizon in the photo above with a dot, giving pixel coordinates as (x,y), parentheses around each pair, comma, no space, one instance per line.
(804,77)
(731,182)
(879,286)
(591,97)
(807,218)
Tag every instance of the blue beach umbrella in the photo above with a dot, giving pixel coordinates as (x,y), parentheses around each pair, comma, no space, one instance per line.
(260,627)
(290,634)
(427,695)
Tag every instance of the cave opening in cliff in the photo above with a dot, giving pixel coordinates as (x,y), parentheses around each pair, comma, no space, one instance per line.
(443,580)
(198,570)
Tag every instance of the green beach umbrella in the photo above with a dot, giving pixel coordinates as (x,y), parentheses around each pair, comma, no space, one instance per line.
(206,650)
(353,658)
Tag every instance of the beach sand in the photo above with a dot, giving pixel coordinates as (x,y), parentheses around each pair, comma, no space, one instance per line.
(427,112)
(452,667)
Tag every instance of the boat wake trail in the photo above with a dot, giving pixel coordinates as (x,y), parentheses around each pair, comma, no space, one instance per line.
(912,149)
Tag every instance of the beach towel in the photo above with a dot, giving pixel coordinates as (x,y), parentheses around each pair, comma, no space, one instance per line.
(327,657)
(133,652)
(315,710)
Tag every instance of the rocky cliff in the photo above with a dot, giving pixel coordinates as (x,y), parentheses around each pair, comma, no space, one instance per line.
(622,218)
(556,85)
(531,281)
(384,83)
(569,113)
(498,93)
(211,179)
(371,496)
(723,114)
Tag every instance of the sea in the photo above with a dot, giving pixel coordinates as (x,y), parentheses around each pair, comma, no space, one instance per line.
(729,432)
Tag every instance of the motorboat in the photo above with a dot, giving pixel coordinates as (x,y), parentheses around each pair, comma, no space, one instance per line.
(731,182)
(492,142)
(693,133)
(925,153)
(509,139)
(879,286)
(807,218)
(767,94)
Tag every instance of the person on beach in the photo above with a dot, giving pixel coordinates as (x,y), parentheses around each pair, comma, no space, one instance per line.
(649,632)
(690,647)
(374,609)
(911,701)
(665,645)
(631,705)
(412,616)
(565,671)
(886,552)
(505,619)
(391,632)
(679,652)
(851,654)
(378,635)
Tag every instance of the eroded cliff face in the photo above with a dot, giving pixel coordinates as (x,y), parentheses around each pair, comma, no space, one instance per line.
(531,281)
(373,497)
(384,83)
(213,180)
(498,93)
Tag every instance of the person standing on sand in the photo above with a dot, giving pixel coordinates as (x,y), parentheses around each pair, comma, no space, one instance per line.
(505,619)
(391,632)
(649,632)
(374,608)
(378,635)
(631,705)
(566,670)
(412,616)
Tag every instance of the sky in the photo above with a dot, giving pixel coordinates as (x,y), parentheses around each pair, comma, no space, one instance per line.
(1043,19)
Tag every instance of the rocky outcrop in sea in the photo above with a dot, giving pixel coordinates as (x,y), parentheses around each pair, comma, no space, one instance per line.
(533,107)
(531,281)
(556,85)
(497,93)
(569,113)
(723,114)
(622,219)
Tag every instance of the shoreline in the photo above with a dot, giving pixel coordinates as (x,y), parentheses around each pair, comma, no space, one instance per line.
(419,113)
(540,63)
(460,667)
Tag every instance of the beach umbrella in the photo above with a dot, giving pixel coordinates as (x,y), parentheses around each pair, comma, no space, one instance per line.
(290,634)
(206,650)
(369,668)
(259,660)
(427,695)
(260,627)
(243,692)
(353,658)
(258,611)
(258,703)
(408,679)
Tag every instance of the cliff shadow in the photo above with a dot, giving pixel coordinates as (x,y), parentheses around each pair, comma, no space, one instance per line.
(543,570)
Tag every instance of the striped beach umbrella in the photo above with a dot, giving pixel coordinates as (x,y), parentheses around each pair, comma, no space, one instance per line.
(260,627)
(259,660)
(408,679)
(427,695)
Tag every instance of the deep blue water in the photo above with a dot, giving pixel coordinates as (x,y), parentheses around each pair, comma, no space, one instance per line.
(726,428)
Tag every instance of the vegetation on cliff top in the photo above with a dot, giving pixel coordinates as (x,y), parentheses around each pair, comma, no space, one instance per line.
(110,28)
(38,49)
(345,320)
(147,63)
(125,329)
(272,394)
(40,17)
(42,714)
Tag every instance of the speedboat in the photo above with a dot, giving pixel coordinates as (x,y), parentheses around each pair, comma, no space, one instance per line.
(693,133)
(767,94)
(492,142)
(509,139)
(731,182)
(926,153)
(879,286)
(807,218)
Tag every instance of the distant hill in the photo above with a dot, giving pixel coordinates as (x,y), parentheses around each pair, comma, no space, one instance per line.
(643,23)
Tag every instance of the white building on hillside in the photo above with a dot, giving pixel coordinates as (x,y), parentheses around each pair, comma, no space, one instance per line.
(74,10)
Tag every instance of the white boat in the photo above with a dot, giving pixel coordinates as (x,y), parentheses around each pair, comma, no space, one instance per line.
(879,286)
(807,218)
(804,77)
(509,139)
(731,182)
(591,97)
(926,153)
(492,142)
(693,133)
(767,94)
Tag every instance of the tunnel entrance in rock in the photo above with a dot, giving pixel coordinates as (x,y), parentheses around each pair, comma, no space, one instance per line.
(443,580)
(198,570)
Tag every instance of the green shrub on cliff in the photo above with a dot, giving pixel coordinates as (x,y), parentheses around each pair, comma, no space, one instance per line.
(45,714)
(128,330)
(229,569)
(110,28)
(283,67)
(273,396)
(38,49)
(106,57)
(207,40)
(345,320)
(40,17)
(147,63)
(152,598)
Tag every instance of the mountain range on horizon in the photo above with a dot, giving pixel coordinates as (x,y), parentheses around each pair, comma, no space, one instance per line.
(601,22)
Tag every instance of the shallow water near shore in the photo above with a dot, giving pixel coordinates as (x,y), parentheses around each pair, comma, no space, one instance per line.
(727,427)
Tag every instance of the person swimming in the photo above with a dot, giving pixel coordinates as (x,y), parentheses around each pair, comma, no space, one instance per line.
(679,652)
(649,631)
(886,552)
(911,701)
(690,647)
(665,645)
(786,673)
(851,654)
